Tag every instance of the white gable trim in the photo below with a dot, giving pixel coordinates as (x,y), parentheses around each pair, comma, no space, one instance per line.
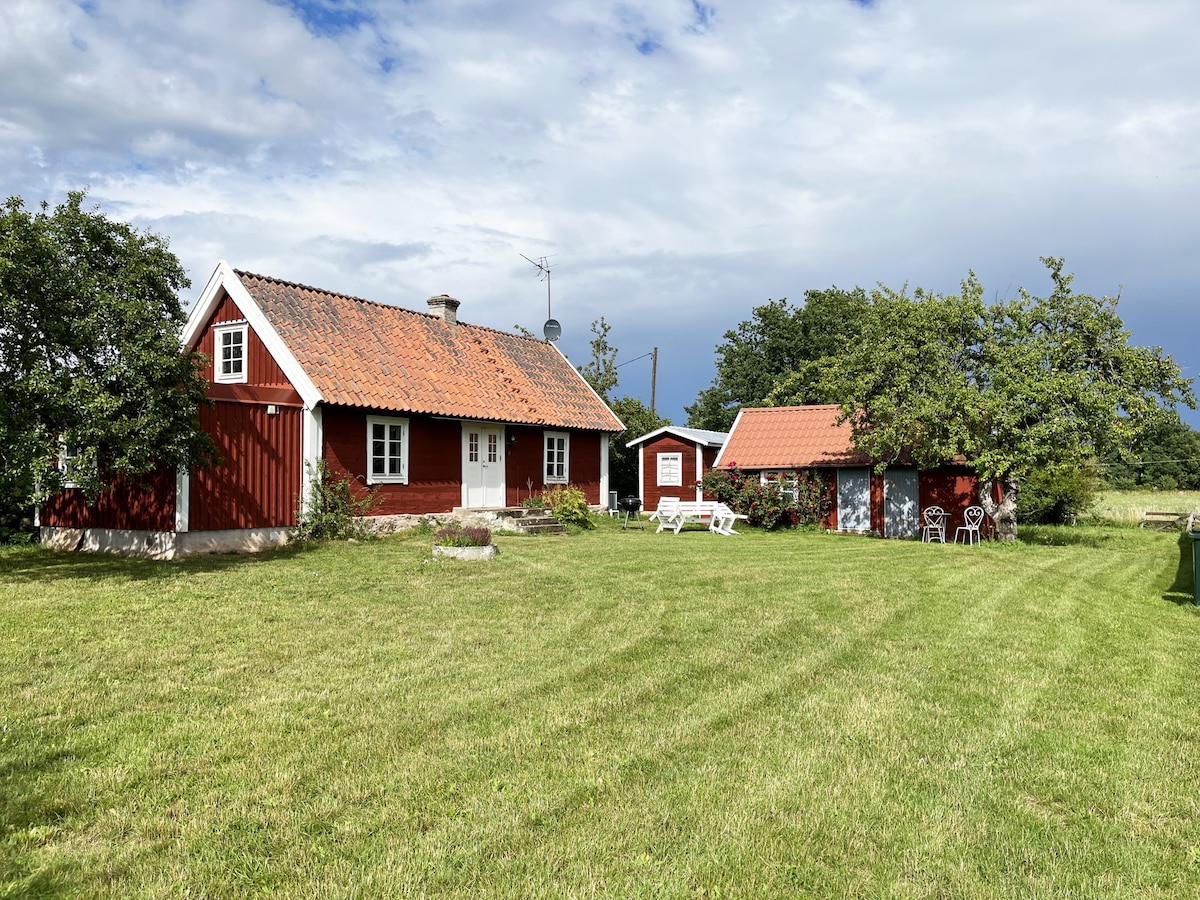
(223,276)
(620,424)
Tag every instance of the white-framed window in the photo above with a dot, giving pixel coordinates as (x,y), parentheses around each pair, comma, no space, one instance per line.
(387,450)
(670,469)
(786,481)
(69,463)
(229,353)
(558,447)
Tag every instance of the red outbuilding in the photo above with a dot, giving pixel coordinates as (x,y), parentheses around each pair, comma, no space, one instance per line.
(777,442)
(423,412)
(672,460)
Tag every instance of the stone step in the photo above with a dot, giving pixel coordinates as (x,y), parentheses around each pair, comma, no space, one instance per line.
(546,528)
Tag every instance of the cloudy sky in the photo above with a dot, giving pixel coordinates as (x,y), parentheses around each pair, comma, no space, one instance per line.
(676,161)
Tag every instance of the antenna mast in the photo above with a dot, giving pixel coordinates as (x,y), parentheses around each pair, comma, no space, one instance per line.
(543,268)
(552,330)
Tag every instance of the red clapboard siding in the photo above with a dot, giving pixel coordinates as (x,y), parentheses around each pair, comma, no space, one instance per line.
(141,505)
(257,484)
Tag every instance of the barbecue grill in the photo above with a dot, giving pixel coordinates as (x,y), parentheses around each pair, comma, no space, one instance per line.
(632,506)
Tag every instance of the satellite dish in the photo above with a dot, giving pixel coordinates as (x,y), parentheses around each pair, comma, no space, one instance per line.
(552,330)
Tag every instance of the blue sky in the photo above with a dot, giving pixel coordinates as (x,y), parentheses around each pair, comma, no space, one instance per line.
(678,161)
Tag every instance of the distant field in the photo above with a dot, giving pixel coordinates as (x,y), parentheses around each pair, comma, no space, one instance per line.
(610,714)
(1126,507)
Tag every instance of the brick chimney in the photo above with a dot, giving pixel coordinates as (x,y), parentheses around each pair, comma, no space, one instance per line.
(445,308)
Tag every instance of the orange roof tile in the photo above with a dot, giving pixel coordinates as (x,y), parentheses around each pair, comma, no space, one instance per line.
(365,354)
(790,437)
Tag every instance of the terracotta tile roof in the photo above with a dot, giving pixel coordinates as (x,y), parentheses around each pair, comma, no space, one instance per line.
(790,437)
(365,354)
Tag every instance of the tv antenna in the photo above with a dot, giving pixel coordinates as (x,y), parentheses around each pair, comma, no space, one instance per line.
(552,330)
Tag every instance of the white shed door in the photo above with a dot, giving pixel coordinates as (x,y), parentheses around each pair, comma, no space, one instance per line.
(900,517)
(854,499)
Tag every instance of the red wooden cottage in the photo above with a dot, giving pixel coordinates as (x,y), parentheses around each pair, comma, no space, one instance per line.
(672,460)
(424,412)
(777,442)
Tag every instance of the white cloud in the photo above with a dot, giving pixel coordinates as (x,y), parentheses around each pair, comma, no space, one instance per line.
(683,163)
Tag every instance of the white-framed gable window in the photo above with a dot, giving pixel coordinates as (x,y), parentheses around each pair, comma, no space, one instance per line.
(229,353)
(670,469)
(387,450)
(558,452)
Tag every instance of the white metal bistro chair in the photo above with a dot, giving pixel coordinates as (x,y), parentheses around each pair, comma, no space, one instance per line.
(934,528)
(972,520)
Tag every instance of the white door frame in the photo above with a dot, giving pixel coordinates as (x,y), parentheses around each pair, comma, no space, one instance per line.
(484,483)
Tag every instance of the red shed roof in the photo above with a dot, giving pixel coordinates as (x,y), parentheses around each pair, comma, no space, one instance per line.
(790,437)
(365,354)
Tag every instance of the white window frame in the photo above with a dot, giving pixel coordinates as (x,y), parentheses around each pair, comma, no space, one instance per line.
(787,480)
(242,329)
(66,453)
(387,477)
(558,443)
(670,470)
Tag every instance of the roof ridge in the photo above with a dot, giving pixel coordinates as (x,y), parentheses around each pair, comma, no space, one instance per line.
(242,273)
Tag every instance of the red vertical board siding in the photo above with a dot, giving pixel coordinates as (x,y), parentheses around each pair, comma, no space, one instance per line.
(434,462)
(829,476)
(257,484)
(585,464)
(953,488)
(523,469)
(877,512)
(652,492)
(146,504)
(261,368)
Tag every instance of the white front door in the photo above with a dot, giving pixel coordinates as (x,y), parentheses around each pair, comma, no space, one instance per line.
(483,465)
(900,503)
(854,499)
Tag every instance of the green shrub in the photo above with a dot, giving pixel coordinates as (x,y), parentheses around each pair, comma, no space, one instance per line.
(333,513)
(1057,496)
(569,505)
(534,501)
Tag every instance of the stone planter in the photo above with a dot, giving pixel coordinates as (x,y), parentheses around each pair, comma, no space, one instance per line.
(466,552)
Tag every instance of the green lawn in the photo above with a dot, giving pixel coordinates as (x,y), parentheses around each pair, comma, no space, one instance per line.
(610,714)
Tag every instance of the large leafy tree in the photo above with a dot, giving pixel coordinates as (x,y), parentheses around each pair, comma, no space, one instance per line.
(1013,387)
(89,353)
(1167,458)
(601,373)
(778,355)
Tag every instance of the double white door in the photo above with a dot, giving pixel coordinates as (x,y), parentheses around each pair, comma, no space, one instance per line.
(483,466)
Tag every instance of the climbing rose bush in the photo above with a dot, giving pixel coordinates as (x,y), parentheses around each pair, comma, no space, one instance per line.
(766,504)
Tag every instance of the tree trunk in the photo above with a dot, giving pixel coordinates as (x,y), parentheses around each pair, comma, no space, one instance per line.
(1004,513)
